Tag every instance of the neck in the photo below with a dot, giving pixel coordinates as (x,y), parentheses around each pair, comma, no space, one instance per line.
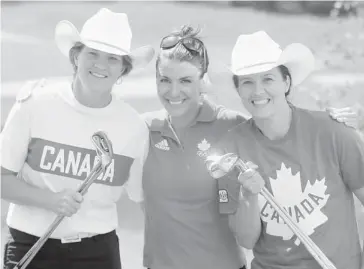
(186,120)
(277,126)
(88,98)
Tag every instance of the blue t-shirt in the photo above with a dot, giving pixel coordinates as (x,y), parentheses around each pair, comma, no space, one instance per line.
(312,172)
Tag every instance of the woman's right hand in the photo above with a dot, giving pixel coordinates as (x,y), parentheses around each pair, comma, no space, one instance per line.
(251,181)
(66,202)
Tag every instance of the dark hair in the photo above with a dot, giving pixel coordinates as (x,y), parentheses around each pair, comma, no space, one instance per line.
(284,72)
(179,52)
(78,47)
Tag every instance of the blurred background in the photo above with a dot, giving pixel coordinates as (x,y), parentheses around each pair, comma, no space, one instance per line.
(334,30)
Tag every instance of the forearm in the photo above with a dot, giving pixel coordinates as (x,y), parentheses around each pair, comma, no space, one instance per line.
(18,191)
(362,258)
(246,222)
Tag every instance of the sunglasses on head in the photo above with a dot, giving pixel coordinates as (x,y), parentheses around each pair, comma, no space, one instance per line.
(192,44)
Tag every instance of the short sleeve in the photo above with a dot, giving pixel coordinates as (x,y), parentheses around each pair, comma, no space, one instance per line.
(351,157)
(227,143)
(15,137)
(140,146)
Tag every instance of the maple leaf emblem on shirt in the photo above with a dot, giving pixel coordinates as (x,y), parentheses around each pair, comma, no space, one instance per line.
(204,145)
(303,204)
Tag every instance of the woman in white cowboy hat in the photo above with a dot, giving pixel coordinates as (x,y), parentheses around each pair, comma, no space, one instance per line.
(46,150)
(311,164)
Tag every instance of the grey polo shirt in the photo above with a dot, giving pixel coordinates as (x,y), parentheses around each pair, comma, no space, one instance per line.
(183,226)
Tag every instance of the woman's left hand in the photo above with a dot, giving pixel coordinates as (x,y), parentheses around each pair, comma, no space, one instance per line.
(347,115)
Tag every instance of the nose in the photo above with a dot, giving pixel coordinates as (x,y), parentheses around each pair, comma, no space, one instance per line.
(100,65)
(174,90)
(259,87)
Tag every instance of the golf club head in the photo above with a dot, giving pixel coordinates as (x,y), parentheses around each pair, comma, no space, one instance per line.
(103,148)
(219,166)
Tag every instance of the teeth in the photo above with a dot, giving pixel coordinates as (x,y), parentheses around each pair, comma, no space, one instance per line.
(260,102)
(175,102)
(97,75)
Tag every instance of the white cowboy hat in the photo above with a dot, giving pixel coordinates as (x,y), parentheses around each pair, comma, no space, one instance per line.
(257,52)
(106,31)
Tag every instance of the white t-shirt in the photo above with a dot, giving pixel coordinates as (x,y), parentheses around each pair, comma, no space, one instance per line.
(47,139)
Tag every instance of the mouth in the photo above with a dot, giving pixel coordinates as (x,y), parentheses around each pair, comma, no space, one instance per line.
(98,75)
(260,102)
(178,102)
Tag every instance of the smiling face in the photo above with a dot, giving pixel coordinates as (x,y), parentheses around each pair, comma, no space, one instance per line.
(98,71)
(179,85)
(263,94)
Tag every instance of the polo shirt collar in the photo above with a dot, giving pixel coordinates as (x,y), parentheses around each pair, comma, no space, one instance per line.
(208,113)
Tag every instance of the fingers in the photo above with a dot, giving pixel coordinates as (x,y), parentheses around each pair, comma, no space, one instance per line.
(77,197)
(68,203)
(251,181)
(346,115)
(340,110)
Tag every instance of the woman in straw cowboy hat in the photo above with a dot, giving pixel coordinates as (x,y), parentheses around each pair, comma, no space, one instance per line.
(311,164)
(46,150)
(184,227)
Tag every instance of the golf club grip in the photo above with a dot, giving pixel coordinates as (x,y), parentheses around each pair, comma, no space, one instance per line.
(315,251)
(28,257)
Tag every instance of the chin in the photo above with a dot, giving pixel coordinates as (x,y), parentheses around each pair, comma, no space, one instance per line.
(260,114)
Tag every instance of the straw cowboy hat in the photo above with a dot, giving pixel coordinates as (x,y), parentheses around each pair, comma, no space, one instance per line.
(106,31)
(257,52)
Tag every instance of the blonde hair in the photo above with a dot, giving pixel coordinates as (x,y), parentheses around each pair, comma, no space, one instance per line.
(179,52)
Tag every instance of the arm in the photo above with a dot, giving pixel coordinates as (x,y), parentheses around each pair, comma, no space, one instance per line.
(246,223)
(241,200)
(360,195)
(351,159)
(16,190)
(139,148)
(14,140)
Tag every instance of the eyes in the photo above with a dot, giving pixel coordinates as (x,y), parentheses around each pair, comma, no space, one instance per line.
(113,59)
(248,82)
(185,81)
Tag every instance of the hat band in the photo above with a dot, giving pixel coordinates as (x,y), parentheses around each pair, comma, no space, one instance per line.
(123,51)
(254,65)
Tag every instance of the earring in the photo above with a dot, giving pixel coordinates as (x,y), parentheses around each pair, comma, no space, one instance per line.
(118,82)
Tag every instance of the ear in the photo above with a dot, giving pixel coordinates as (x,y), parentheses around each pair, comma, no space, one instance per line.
(288,84)
(76,58)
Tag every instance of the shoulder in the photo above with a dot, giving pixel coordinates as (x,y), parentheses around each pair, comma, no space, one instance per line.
(327,127)
(227,118)
(34,94)
(35,91)
(127,112)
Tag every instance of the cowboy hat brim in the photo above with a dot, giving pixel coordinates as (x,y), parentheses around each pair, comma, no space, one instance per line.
(296,57)
(67,35)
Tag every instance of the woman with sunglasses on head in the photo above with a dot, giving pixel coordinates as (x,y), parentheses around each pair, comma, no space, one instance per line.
(183,225)
(312,165)
(46,151)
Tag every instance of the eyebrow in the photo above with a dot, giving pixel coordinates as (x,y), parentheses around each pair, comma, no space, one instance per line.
(185,77)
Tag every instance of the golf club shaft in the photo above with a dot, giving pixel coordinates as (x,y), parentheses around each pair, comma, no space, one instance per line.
(28,257)
(315,251)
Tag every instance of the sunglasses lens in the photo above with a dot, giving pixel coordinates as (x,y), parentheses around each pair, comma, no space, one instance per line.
(193,44)
(169,42)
